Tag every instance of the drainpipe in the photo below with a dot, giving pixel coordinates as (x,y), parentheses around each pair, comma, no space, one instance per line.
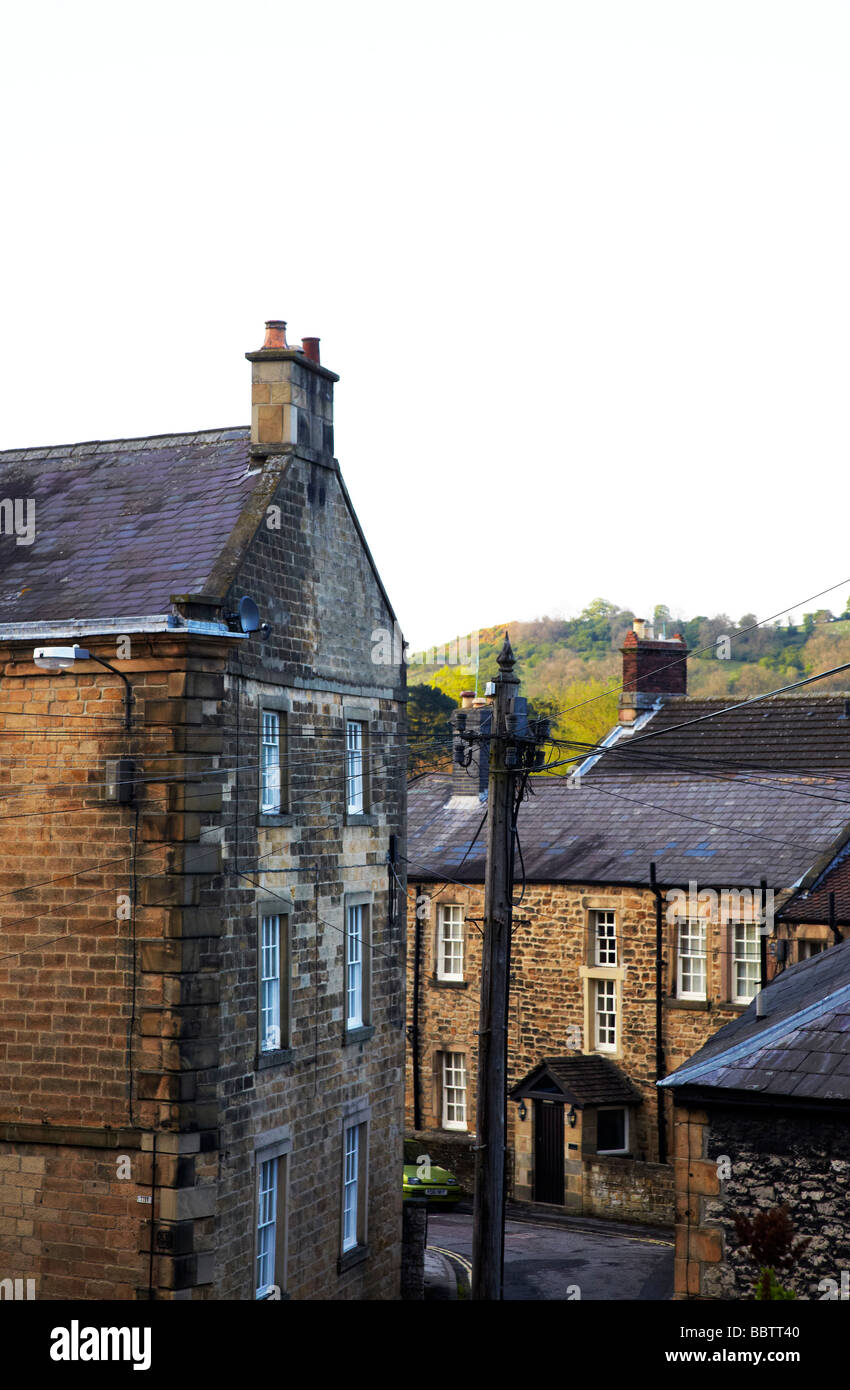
(660,1070)
(153,1213)
(763,935)
(414,1028)
(832,927)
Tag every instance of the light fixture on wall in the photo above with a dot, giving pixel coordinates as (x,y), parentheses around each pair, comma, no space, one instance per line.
(523,1110)
(571,1117)
(63,658)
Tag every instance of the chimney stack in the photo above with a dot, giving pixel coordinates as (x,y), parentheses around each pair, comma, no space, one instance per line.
(291,397)
(475,717)
(651,670)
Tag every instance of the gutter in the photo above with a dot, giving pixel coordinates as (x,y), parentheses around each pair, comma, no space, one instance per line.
(93,627)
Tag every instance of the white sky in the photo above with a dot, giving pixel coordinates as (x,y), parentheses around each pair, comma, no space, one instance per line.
(583,267)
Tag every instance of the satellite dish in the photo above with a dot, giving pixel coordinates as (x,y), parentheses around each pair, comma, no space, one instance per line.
(249,615)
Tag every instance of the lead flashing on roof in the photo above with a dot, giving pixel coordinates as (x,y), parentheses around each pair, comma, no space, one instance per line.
(621,731)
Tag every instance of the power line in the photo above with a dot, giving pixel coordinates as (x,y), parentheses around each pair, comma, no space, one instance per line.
(711,645)
(636,740)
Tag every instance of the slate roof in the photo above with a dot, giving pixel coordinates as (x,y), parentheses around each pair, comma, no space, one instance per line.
(811,904)
(122,524)
(799,1050)
(721,831)
(582,1080)
(788,733)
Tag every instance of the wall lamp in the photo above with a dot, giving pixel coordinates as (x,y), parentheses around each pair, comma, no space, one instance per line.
(63,658)
(523,1110)
(571,1117)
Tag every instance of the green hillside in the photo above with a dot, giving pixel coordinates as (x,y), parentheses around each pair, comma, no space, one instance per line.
(570,668)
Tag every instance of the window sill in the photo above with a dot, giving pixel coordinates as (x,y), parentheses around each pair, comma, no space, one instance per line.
(360,818)
(352,1257)
(447,984)
(273,818)
(358,1035)
(265,1060)
(672,1003)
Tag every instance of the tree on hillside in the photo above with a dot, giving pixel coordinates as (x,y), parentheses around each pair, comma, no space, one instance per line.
(662,620)
(582,713)
(429,729)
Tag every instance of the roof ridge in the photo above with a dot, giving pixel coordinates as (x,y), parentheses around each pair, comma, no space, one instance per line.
(212,436)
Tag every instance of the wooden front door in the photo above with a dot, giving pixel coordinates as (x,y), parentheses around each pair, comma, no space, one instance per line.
(549,1151)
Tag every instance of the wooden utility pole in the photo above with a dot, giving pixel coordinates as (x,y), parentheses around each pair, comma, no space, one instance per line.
(488,1218)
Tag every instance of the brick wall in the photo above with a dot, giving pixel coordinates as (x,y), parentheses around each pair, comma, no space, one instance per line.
(68,1221)
(90,1025)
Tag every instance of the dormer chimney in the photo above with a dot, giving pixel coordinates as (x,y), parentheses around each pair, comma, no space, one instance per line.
(651,670)
(291,397)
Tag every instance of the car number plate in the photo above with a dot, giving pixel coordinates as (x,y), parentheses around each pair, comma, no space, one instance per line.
(436,1192)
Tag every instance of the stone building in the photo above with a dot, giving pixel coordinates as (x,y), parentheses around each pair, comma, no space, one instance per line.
(201,867)
(761,1121)
(724,809)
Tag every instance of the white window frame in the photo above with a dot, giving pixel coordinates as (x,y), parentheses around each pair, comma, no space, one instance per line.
(271,803)
(355,946)
(604,943)
(625,1110)
(355,764)
(450,934)
(267,1216)
(808,946)
(453,1082)
(685,930)
(271,982)
(271,1159)
(608,989)
(743,957)
(355,1139)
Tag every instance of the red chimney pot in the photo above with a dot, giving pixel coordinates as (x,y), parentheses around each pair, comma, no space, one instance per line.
(275,334)
(311,348)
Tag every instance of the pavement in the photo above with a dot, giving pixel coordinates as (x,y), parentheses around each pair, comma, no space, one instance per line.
(549,1256)
(441,1276)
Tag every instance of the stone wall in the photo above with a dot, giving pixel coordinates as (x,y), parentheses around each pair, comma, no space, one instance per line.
(796,1158)
(414,1236)
(551,976)
(620,1189)
(325,605)
(142,1028)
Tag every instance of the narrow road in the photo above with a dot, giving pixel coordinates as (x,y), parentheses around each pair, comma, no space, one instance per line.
(579,1262)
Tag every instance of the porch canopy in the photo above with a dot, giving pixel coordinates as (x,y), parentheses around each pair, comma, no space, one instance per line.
(578,1081)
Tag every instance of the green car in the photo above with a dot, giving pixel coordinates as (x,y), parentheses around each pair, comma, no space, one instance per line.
(424,1181)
